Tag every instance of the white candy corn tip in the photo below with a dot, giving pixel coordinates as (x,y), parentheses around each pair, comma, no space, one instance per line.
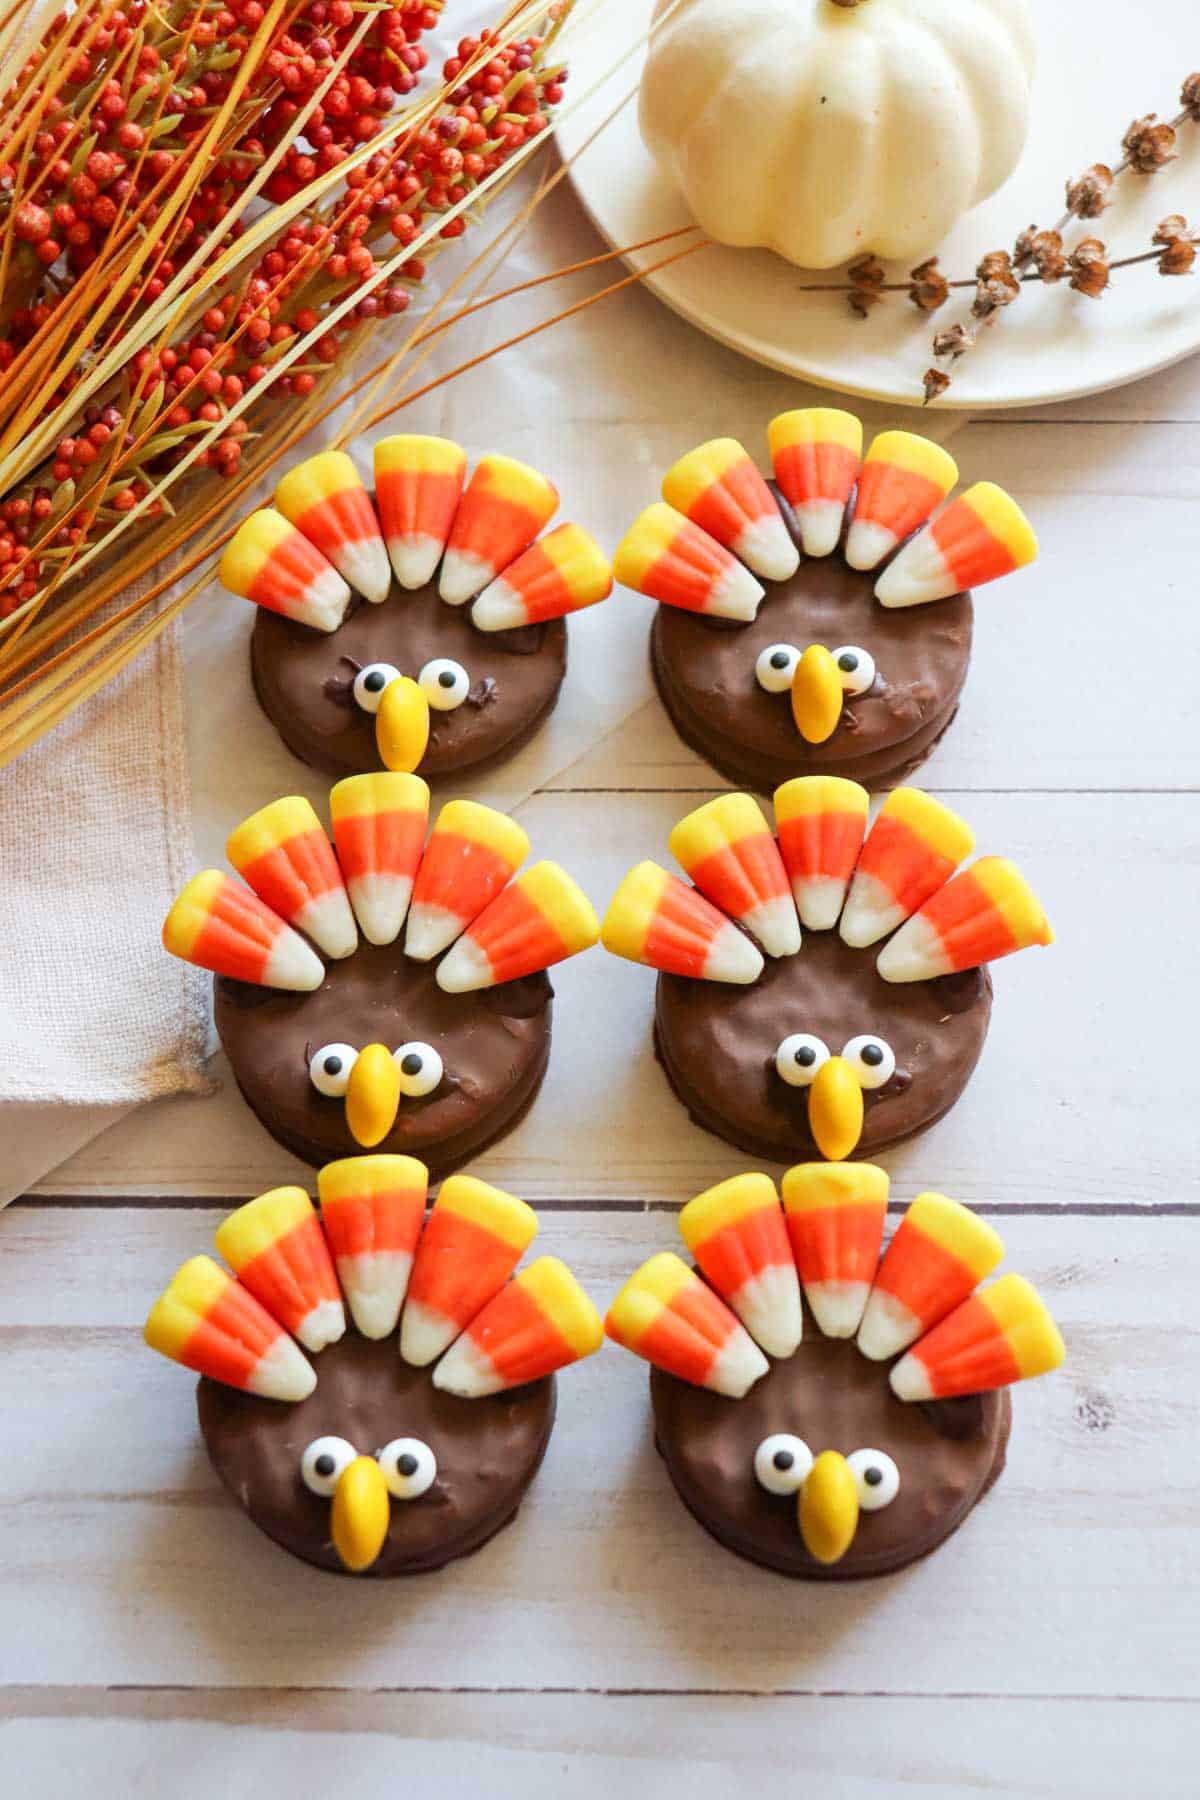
(820,523)
(498,608)
(283,1373)
(735,595)
(380,903)
(463,575)
(867,543)
(887,1328)
(364,563)
(768,1304)
(430,930)
(323,1325)
(325,604)
(465,969)
(775,925)
(765,545)
(837,1306)
(329,922)
(424,1334)
(415,558)
(870,912)
(918,574)
(738,1364)
(731,957)
(914,954)
(375,1285)
(466,1371)
(292,966)
(909,1380)
(819,900)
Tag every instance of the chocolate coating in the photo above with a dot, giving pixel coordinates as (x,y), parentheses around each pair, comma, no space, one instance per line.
(704,670)
(717,1043)
(829,1394)
(494,1044)
(304,681)
(487,1452)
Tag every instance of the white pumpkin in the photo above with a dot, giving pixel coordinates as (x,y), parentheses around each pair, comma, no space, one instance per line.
(823,129)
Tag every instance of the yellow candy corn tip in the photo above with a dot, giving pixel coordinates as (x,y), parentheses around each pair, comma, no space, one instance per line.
(827,1508)
(268,828)
(260,1223)
(402,725)
(360,1514)
(185,921)
(1004,520)
(835,1109)
(816,425)
(373,1095)
(813,1186)
(816,695)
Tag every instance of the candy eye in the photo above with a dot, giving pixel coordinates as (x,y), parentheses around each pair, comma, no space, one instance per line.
(876,1477)
(409,1468)
(775,667)
(329,1069)
(856,667)
(420,1069)
(872,1059)
(370,682)
(323,1463)
(782,1463)
(444,683)
(799,1057)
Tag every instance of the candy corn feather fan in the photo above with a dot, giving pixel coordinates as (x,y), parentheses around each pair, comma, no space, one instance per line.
(779,1424)
(433,1042)
(381,1454)
(779,1032)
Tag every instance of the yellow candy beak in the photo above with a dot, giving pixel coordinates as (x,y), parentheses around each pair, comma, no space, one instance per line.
(373,1095)
(361,1510)
(835,1109)
(816,695)
(828,1508)
(402,725)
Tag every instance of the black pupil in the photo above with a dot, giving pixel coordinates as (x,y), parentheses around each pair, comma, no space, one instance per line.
(332,1065)
(783,1459)
(872,1477)
(848,661)
(407,1464)
(325,1464)
(806,1056)
(780,660)
(374,681)
(412,1064)
(447,678)
(872,1054)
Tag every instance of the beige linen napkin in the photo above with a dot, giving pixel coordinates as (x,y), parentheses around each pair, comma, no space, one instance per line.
(95,840)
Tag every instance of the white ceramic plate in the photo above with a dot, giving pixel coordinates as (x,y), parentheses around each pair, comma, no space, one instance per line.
(1100,65)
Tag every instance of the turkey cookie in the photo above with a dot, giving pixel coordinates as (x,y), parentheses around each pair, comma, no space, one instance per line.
(381,1045)
(781,1429)
(843,1041)
(411,1436)
(365,653)
(795,634)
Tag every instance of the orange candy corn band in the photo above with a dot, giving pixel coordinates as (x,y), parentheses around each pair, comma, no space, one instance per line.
(503,508)
(283,854)
(418,482)
(379,829)
(718,488)
(219,925)
(324,497)
(277,1249)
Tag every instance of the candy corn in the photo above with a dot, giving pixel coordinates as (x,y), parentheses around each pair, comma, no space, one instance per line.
(726,848)
(372,1208)
(817,453)
(982,535)
(379,829)
(284,855)
(219,925)
(719,489)
(912,849)
(539,1322)
(539,920)
(418,481)
(939,1255)
(471,854)
(835,1214)
(902,480)
(986,912)
(324,497)
(666,557)
(276,1248)
(561,573)
(821,821)
(505,505)
(653,918)
(737,1235)
(665,1314)
(211,1323)
(269,562)
(473,1240)
(1000,1335)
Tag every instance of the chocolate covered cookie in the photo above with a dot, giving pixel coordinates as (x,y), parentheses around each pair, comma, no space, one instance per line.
(411,1437)
(419,628)
(382,1045)
(779,1425)
(786,642)
(823,1042)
